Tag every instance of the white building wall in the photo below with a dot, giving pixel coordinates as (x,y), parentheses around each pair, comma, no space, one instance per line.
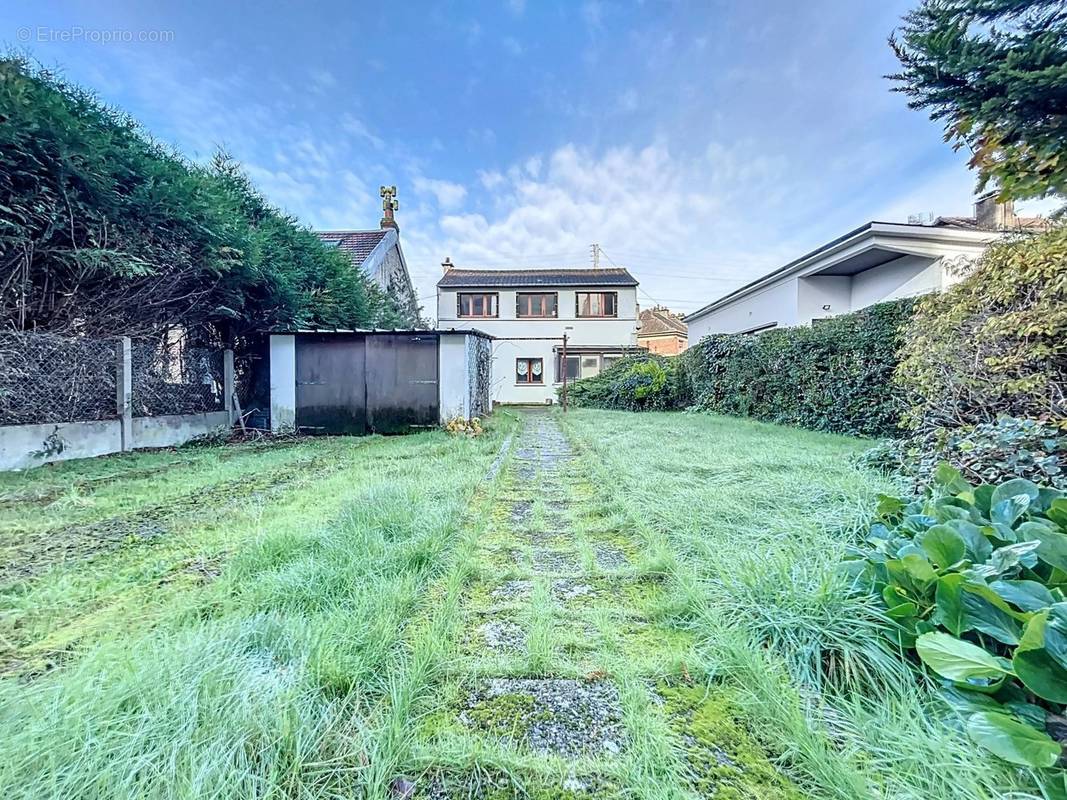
(282,383)
(818,291)
(537,338)
(907,276)
(775,304)
(453,373)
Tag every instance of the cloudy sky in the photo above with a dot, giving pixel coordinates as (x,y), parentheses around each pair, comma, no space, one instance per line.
(699,144)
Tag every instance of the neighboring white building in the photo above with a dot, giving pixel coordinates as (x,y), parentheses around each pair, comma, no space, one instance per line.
(877,262)
(528,311)
(378,254)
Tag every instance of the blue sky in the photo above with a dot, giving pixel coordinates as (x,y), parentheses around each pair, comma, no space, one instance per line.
(700,144)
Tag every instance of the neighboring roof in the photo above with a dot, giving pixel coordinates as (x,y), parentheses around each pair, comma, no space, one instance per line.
(1032,224)
(657,322)
(898,230)
(358,245)
(510,278)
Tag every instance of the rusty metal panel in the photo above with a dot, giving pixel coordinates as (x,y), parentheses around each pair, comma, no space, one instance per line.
(401,371)
(331,394)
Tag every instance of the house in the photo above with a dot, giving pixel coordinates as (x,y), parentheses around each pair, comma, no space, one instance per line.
(661,332)
(876,262)
(529,311)
(379,255)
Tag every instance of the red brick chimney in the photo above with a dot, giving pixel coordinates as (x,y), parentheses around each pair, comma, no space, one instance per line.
(389,205)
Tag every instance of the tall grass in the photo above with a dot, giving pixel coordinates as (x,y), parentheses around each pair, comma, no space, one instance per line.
(759,517)
(271,682)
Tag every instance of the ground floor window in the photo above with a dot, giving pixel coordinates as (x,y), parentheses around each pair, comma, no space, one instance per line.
(584,365)
(529,370)
(573,363)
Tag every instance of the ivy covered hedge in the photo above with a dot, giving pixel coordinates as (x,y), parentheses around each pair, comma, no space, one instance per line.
(642,382)
(835,376)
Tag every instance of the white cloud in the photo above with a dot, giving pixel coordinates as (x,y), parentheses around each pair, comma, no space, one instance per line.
(517,6)
(449,195)
(512,45)
(490,179)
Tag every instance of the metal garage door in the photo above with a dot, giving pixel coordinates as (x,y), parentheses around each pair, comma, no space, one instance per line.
(366,383)
(401,382)
(331,386)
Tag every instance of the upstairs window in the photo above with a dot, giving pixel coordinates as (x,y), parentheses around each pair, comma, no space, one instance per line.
(596,304)
(529,370)
(536,304)
(477,304)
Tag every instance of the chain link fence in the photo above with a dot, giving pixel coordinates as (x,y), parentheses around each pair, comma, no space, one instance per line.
(46,378)
(56,379)
(170,377)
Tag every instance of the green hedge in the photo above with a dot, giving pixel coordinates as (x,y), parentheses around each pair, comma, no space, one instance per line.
(835,376)
(643,382)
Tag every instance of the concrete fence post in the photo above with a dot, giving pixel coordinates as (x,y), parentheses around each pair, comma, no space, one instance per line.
(227,382)
(124,390)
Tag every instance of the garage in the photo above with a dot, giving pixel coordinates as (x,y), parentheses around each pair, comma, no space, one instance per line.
(387,382)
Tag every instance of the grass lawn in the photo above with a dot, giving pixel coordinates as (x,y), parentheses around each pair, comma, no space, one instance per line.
(625,606)
(218,621)
(752,521)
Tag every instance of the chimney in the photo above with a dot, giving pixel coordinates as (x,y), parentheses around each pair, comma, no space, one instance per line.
(389,205)
(993,215)
(447,264)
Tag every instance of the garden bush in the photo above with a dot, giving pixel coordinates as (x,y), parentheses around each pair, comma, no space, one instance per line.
(995,343)
(990,452)
(835,376)
(642,382)
(984,371)
(971,580)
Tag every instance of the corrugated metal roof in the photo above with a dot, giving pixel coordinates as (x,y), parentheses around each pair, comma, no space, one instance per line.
(517,278)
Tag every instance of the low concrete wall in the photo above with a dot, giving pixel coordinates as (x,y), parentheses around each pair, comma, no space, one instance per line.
(173,429)
(24,446)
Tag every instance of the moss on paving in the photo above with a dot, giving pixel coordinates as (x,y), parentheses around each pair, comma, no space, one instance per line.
(721,758)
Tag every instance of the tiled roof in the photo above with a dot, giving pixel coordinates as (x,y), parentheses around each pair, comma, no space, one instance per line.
(1033,224)
(655,321)
(358,245)
(511,278)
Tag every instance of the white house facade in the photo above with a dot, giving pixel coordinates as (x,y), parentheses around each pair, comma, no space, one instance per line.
(874,263)
(529,311)
(877,262)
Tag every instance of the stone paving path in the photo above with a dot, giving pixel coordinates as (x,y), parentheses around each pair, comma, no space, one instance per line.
(565,678)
